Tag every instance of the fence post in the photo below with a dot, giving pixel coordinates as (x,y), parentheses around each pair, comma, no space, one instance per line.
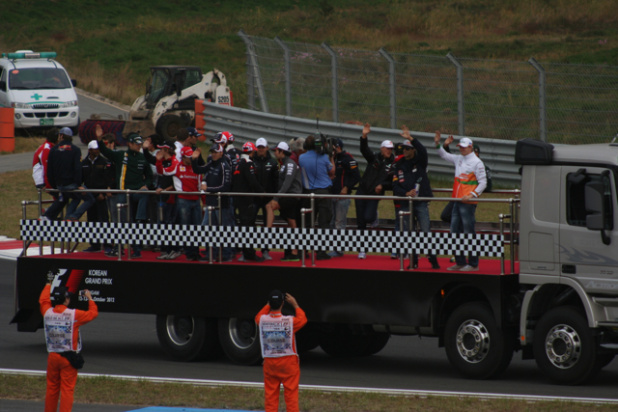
(255,69)
(392,83)
(460,94)
(288,81)
(333,60)
(542,108)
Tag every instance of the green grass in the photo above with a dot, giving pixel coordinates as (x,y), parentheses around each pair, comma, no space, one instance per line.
(103,390)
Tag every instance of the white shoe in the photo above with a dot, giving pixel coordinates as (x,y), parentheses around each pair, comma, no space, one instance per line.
(455,267)
(469,268)
(241,258)
(163,255)
(173,254)
(362,255)
(266,255)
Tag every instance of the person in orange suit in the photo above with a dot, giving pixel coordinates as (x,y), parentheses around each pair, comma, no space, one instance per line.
(278,341)
(63,342)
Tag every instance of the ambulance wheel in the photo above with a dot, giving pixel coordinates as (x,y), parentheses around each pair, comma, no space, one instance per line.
(565,348)
(168,126)
(239,340)
(188,338)
(474,343)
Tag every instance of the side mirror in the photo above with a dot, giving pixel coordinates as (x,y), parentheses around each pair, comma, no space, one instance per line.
(74,82)
(595,208)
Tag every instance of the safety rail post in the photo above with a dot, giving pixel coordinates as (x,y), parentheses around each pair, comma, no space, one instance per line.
(209,210)
(255,68)
(119,207)
(392,86)
(514,248)
(303,212)
(403,213)
(542,99)
(40,197)
(460,93)
(334,82)
(288,79)
(501,218)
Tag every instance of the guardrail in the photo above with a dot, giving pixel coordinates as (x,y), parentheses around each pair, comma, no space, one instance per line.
(249,125)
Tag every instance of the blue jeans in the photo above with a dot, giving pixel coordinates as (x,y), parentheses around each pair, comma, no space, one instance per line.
(462,221)
(189,213)
(420,217)
(139,206)
(227,219)
(340,213)
(72,212)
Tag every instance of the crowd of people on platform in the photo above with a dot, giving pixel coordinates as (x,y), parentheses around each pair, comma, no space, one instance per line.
(315,164)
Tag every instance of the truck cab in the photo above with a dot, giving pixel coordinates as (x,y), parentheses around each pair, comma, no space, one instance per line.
(568,259)
(39,89)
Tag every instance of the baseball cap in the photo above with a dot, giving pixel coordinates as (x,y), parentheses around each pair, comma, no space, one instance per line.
(407,143)
(135,138)
(275,298)
(59,294)
(248,147)
(66,131)
(216,148)
(283,146)
(261,142)
(464,142)
(338,143)
(223,137)
(186,151)
(167,144)
(193,132)
(93,145)
(388,144)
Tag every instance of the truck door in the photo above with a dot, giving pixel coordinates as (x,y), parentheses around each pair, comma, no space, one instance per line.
(588,253)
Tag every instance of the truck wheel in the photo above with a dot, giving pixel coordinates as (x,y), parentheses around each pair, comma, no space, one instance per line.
(188,338)
(377,342)
(474,343)
(168,126)
(308,338)
(564,346)
(239,340)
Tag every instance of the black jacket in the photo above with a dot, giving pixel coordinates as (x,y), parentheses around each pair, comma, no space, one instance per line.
(98,174)
(346,173)
(407,173)
(64,165)
(378,172)
(244,179)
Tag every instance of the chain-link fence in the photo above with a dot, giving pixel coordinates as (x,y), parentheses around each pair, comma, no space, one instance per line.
(558,103)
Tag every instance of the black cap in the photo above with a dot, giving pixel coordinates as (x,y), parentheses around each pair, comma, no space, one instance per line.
(59,295)
(275,299)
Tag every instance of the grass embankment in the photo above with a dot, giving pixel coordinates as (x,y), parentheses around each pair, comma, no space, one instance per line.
(108,48)
(113,391)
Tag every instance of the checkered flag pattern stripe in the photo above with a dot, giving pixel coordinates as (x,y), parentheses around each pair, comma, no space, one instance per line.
(349,240)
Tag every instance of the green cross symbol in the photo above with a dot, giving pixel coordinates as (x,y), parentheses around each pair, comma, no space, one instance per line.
(36,96)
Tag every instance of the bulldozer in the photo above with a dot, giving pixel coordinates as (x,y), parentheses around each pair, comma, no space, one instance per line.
(167,106)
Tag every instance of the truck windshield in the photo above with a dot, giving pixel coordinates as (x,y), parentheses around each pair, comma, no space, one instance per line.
(38,78)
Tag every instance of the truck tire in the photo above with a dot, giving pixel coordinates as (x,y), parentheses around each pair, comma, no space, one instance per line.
(168,126)
(377,342)
(565,348)
(188,338)
(474,343)
(239,340)
(308,338)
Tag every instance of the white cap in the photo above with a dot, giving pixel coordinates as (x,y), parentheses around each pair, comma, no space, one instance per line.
(388,144)
(464,142)
(283,146)
(93,145)
(261,142)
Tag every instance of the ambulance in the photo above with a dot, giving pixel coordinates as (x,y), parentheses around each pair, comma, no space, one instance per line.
(39,89)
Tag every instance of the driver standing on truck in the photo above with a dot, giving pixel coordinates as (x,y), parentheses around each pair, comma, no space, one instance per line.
(278,342)
(63,344)
(470,181)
